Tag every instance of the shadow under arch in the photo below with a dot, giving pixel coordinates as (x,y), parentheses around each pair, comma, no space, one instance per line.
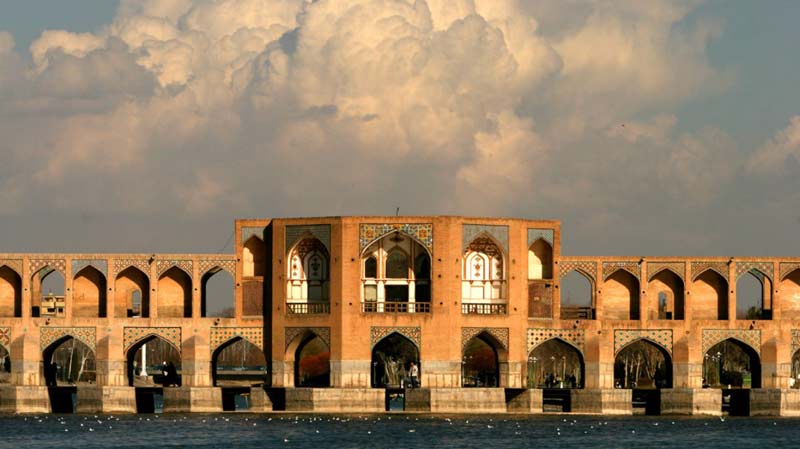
(643,364)
(556,363)
(10,292)
(147,360)
(126,285)
(5,365)
(731,363)
(68,361)
(391,359)
(217,294)
(312,367)
(577,297)
(481,358)
(237,363)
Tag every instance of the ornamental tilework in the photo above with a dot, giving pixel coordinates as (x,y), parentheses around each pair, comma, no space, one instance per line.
(5,338)
(142,265)
(163,265)
(699,267)
(59,265)
(470,231)
(544,234)
(633,268)
(377,334)
(575,337)
(206,265)
(133,335)
(221,335)
(765,268)
(587,267)
(321,232)
(14,264)
(677,268)
(661,337)
(499,333)
(324,334)
(99,264)
(249,231)
(787,268)
(49,335)
(369,233)
(795,341)
(750,337)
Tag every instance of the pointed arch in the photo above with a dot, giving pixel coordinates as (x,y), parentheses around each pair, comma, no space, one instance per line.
(555,363)
(128,282)
(308,270)
(668,302)
(643,363)
(89,293)
(10,292)
(238,362)
(577,295)
(709,296)
(395,232)
(732,362)
(540,260)
(753,295)
(483,269)
(48,287)
(175,293)
(392,356)
(254,261)
(399,279)
(217,294)
(790,295)
(149,357)
(621,296)
(68,361)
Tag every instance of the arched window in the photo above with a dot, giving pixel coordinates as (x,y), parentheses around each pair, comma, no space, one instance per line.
(397,265)
(540,260)
(253,261)
(307,277)
(483,273)
(371,267)
(405,276)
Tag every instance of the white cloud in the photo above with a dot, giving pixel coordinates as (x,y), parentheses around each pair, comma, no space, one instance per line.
(780,153)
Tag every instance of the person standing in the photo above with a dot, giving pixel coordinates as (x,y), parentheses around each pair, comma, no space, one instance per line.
(414,375)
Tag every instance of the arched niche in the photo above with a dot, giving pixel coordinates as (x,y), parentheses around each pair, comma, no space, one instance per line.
(790,295)
(555,364)
(131,294)
(312,357)
(69,361)
(403,274)
(216,294)
(308,272)
(621,296)
(731,364)
(483,271)
(391,360)
(5,365)
(794,381)
(149,359)
(10,293)
(47,293)
(175,294)
(577,296)
(254,257)
(710,296)
(666,296)
(238,363)
(89,294)
(480,362)
(753,296)
(540,260)
(643,364)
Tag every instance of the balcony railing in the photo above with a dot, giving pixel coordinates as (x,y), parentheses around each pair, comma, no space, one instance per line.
(576,313)
(308,308)
(395,307)
(484,309)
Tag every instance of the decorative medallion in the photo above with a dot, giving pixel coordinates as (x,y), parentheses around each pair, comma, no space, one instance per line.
(661,337)
(49,335)
(751,338)
(498,333)
(133,335)
(575,337)
(163,265)
(633,268)
(98,264)
(369,233)
(142,265)
(470,231)
(321,232)
(677,268)
(221,335)
(545,234)
(699,268)
(377,334)
(586,267)
(290,333)
(765,268)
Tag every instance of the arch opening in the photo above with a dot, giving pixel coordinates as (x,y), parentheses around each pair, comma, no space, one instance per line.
(308,277)
(669,297)
(131,294)
(89,293)
(391,359)
(69,361)
(253,257)
(731,364)
(621,296)
(480,362)
(402,275)
(238,363)
(577,296)
(710,296)
(175,294)
(794,381)
(10,293)
(5,365)
(312,362)
(47,293)
(483,274)
(216,294)
(753,296)
(643,365)
(153,362)
(540,260)
(555,364)
(790,295)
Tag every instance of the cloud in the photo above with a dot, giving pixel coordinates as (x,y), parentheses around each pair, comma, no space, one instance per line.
(781,154)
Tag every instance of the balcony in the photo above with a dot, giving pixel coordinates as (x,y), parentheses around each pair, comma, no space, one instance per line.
(468,308)
(577,313)
(395,307)
(305,308)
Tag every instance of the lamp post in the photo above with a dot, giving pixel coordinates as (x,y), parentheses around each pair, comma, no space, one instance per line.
(719,367)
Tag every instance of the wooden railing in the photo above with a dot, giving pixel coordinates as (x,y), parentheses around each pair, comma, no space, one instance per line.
(395,307)
(576,313)
(483,309)
(317,308)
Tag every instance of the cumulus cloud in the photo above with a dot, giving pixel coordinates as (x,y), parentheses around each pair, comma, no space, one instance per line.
(781,154)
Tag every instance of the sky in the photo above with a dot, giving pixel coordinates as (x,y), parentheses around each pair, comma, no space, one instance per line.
(648,128)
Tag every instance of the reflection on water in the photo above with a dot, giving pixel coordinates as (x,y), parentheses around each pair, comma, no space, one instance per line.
(395,431)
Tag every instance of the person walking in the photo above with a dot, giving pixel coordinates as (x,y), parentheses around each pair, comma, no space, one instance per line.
(413,373)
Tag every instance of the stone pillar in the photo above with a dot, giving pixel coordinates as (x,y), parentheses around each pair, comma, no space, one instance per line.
(197,285)
(598,293)
(687,294)
(776,294)
(153,281)
(26,289)
(731,291)
(68,302)
(644,302)
(196,362)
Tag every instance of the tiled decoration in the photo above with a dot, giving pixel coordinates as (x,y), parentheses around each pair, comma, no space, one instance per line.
(163,265)
(98,264)
(49,335)
(377,334)
(575,337)
(751,338)
(5,338)
(321,232)
(765,268)
(678,268)
(60,265)
(222,335)
(633,268)
(142,265)
(470,231)
(545,234)
(661,337)
(795,341)
(423,233)
(133,335)
(324,334)
(206,265)
(787,268)
(499,333)
(586,267)
(720,267)
(249,231)
(14,264)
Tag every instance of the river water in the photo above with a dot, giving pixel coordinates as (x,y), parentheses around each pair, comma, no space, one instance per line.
(234,431)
